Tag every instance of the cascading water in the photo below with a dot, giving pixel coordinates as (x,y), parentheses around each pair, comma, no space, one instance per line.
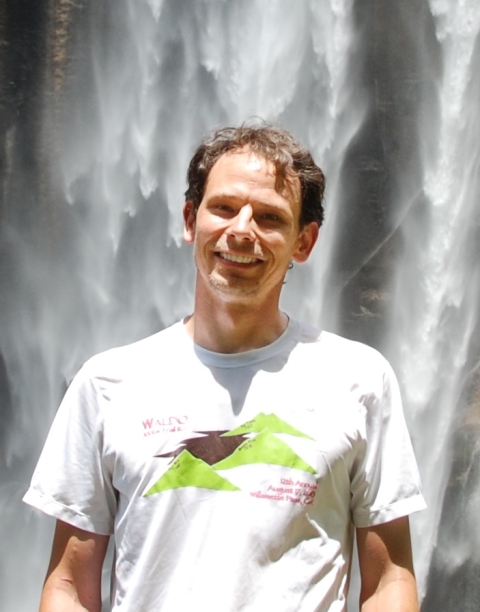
(434,330)
(95,259)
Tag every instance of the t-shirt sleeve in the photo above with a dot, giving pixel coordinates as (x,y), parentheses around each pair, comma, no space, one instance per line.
(385,483)
(71,481)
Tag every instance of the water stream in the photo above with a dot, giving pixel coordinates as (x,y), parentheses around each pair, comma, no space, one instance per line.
(435,330)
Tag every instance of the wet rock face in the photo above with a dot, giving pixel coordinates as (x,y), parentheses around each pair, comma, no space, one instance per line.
(22,57)
(454,569)
(400,43)
(453,576)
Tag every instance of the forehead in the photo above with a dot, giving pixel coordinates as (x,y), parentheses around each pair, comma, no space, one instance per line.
(245,168)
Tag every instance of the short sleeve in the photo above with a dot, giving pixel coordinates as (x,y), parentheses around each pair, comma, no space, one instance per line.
(71,481)
(385,481)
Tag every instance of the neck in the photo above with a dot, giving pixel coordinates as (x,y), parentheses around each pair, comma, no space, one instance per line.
(234,328)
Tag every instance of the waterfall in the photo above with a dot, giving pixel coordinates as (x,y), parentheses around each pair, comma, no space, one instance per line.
(92,193)
(435,329)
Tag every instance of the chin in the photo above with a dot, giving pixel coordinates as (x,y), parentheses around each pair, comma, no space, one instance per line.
(233,290)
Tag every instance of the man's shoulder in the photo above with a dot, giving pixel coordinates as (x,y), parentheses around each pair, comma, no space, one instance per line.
(140,354)
(338,352)
(332,342)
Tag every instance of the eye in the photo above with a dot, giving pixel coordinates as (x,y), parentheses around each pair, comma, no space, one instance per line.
(222,209)
(270,218)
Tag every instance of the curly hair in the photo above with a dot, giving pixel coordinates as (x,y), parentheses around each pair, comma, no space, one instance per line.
(275,144)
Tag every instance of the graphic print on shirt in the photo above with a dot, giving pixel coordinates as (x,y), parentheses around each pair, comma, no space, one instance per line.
(199,459)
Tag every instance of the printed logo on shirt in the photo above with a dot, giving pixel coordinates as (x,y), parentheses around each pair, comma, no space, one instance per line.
(206,460)
(153,425)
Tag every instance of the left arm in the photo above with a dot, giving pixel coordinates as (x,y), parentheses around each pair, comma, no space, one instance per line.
(386,568)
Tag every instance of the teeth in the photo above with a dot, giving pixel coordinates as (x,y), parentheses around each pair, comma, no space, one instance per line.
(238,258)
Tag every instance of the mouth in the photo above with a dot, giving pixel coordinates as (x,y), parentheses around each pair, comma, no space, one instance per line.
(241,259)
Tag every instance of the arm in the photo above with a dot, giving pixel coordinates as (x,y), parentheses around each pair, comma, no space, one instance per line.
(74,575)
(386,568)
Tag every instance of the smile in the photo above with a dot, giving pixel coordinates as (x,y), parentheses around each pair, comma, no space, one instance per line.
(242,259)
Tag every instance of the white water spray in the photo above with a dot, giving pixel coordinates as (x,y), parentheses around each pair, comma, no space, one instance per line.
(438,291)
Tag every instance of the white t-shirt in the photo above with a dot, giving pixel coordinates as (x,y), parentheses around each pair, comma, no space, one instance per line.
(230,481)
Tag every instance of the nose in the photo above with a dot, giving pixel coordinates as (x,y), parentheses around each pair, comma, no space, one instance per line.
(241,226)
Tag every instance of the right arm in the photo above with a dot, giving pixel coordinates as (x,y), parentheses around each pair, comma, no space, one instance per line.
(74,576)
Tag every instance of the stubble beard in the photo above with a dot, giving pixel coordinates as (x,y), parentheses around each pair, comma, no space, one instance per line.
(234,288)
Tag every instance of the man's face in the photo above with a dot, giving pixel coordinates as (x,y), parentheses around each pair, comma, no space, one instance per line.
(246,232)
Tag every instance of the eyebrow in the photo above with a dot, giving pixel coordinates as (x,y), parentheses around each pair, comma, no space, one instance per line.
(236,198)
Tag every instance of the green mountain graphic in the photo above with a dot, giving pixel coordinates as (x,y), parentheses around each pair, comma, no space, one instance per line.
(188,471)
(267,421)
(264,448)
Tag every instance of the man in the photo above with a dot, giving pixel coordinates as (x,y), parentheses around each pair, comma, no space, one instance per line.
(233,454)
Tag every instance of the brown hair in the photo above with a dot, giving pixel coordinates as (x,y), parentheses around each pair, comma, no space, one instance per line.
(276,145)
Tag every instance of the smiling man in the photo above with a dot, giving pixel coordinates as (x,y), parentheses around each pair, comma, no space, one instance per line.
(246,231)
(234,455)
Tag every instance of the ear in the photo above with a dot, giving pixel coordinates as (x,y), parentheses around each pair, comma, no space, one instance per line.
(189,220)
(306,241)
